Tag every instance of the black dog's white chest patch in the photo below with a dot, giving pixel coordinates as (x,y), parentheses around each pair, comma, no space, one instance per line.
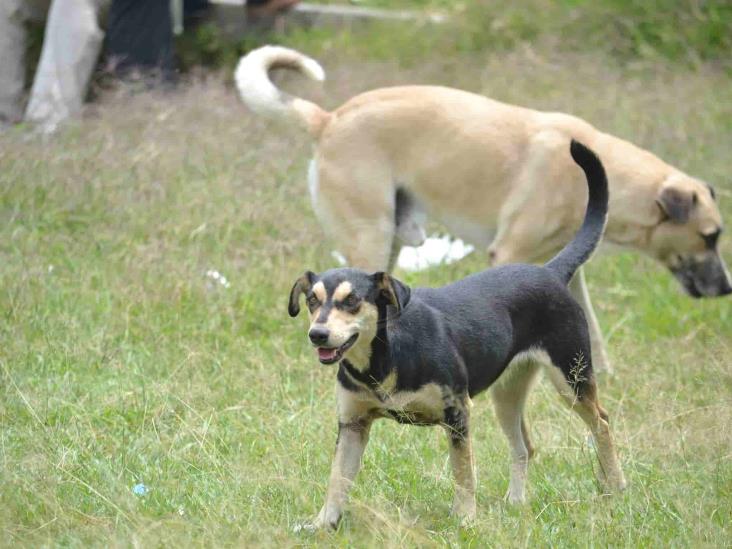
(424,406)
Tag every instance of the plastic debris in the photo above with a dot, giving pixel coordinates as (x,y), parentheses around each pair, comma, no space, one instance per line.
(216,278)
(140,489)
(434,251)
(339,257)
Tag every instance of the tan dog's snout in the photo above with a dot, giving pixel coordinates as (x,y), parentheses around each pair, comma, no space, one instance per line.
(702,275)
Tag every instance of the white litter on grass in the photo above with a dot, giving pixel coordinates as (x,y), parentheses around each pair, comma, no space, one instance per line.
(216,277)
(434,251)
(140,489)
(339,257)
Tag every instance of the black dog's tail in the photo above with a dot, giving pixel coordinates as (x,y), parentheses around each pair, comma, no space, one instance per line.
(579,250)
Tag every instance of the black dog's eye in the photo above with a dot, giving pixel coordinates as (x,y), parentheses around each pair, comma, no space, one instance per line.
(350,301)
(313,302)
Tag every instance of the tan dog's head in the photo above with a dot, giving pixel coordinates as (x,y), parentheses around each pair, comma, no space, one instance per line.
(685,238)
(346,307)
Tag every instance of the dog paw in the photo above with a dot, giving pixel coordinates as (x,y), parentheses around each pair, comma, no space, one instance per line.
(615,484)
(465,511)
(468,521)
(326,519)
(314,526)
(515,497)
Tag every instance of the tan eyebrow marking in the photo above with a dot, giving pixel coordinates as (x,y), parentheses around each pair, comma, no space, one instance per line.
(319,291)
(342,291)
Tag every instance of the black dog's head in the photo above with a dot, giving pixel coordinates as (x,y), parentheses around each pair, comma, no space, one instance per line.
(346,306)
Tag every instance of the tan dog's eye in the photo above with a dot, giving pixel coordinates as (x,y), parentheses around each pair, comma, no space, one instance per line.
(350,301)
(313,302)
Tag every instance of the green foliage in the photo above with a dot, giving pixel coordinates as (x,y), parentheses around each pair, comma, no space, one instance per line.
(676,29)
(684,31)
(205,45)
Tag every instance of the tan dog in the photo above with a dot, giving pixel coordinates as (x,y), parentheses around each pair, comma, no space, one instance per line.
(494,174)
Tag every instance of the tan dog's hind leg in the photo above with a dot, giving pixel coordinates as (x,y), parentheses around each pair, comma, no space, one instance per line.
(536,219)
(588,408)
(578,287)
(352,439)
(361,223)
(370,249)
(509,397)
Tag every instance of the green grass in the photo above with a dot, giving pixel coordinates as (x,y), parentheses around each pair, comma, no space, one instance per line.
(118,365)
(687,32)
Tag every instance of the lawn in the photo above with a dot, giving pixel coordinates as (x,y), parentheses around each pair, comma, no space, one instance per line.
(122,363)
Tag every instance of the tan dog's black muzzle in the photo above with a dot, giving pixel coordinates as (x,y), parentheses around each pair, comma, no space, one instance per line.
(703,277)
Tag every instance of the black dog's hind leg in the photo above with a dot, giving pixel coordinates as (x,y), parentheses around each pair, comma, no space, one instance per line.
(573,377)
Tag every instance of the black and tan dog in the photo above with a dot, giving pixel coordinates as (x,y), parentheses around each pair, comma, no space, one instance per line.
(381,164)
(418,356)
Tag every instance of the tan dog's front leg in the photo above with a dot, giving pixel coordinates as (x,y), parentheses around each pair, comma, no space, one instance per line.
(352,439)
(578,287)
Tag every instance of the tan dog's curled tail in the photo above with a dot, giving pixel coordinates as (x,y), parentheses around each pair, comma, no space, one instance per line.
(262,96)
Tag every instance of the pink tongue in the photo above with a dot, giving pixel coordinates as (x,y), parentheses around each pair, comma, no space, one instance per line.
(326,354)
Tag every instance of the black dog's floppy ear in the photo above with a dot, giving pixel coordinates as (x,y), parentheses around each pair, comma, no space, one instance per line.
(392,291)
(302,285)
(677,203)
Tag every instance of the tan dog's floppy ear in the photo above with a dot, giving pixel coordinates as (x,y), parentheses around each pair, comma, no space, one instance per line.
(677,203)
(392,291)
(302,285)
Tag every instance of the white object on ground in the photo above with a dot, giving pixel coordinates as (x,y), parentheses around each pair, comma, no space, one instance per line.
(434,251)
(216,277)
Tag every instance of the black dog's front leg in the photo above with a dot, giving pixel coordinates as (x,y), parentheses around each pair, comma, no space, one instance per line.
(461,457)
(352,439)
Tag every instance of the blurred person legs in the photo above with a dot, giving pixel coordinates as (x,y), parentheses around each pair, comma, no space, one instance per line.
(263,8)
(14,14)
(71,46)
(140,37)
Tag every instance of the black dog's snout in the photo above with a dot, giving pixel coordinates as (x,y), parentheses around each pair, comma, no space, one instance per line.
(319,335)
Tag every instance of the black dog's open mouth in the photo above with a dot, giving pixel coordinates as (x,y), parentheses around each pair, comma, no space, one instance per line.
(329,355)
